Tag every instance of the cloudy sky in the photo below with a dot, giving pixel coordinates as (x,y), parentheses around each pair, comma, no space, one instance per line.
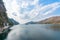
(25,11)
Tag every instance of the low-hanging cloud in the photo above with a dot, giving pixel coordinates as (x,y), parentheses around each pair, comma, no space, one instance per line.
(28,10)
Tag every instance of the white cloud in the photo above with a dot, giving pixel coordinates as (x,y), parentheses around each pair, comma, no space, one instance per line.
(53,7)
(21,7)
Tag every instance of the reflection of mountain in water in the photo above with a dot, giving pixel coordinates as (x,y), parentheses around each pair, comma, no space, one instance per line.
(34,32)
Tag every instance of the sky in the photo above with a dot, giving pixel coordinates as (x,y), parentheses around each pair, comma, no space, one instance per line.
(24,11)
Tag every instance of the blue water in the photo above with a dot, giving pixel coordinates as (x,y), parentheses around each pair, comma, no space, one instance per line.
(36,32)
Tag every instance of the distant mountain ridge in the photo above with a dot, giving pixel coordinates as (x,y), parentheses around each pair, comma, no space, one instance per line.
(51,20)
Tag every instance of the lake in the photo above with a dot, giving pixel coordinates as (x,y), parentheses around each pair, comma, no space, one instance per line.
(35,32)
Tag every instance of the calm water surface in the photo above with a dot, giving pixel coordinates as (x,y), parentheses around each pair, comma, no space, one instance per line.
(40,31)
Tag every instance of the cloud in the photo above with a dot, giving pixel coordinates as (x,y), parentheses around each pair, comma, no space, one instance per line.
(28,10)
(53,7)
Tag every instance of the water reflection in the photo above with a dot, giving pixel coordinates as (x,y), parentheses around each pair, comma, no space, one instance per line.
(35,32)
(55,27)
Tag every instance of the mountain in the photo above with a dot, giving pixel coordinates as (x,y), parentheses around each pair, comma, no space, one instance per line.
(3,15)
(4,21)
(31,23)
(13,21)
(51,20)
